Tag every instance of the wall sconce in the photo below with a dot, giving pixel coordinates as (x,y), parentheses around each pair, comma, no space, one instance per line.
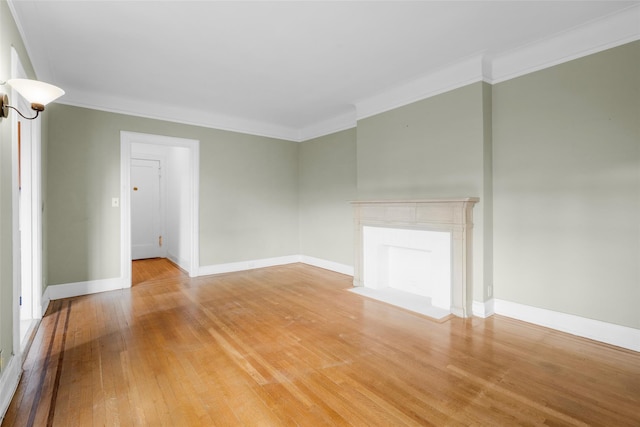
(37,93)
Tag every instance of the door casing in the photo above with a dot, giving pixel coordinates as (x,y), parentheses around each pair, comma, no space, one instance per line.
(31,243)
(126,140)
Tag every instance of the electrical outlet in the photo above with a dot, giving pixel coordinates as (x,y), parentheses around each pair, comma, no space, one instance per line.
(115,202)
(1,360)
(490,291)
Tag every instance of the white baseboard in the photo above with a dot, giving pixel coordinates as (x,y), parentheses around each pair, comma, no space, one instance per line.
(609,333)
(45,300)
(270,262)
(327,265)
(621,336)
(247,265)
(9,383)
(182,263)
(68,290)
(483,309)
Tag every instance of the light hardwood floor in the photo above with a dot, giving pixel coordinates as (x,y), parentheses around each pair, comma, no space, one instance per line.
(290,346)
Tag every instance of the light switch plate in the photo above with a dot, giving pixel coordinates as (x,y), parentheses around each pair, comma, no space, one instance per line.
(115,202)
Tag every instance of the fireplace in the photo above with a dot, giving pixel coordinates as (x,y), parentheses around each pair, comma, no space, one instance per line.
(418,246)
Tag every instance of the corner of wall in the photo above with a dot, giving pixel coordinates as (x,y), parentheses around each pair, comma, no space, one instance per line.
(483,309)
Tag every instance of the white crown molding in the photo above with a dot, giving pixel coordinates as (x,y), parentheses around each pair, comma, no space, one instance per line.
(41,66)
(609,333)
(176,114)
(326,127)
(460,74)
(596,36)
(611,31)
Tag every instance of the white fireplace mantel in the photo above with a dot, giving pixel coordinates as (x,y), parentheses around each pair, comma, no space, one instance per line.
(452,215)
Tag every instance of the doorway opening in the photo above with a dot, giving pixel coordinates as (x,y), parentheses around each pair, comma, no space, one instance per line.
(159,202)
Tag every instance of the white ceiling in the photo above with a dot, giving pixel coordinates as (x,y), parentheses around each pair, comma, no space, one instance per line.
(293,69)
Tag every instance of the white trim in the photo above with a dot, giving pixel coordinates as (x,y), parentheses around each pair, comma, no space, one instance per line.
(327,265)
(176,114)
(9,381)
(621,336)
(27,245)
(462,73)
(180,262)
(125,210)
(595,36)
(46,300)
(126,140)
(16,244)
(326,127)
(602,34)
(36,63)
(68,290)
(247,265)
(483,309)
(32,176)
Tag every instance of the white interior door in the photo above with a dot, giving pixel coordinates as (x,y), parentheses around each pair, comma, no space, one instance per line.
(146,204)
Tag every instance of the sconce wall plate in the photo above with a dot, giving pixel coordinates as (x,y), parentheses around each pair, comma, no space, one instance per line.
(4,103)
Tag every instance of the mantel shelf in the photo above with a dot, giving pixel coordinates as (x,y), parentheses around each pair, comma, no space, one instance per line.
(416,201)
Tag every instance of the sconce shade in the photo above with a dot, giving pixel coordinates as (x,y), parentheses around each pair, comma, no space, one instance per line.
(36,92)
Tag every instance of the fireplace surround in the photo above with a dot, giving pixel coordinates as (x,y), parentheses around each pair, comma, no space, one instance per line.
(453,215)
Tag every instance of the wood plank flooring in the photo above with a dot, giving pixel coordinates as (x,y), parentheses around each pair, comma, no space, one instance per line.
(146,270)
(290,346)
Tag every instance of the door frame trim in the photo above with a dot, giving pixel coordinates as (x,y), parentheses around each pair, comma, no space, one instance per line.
(126,140)
(34,245)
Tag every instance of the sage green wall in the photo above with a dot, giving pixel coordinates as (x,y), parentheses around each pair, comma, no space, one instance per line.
(248,193)
(327,170)
(248,197)
(567,187)
(431,149)
(83,174)
(9,37)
